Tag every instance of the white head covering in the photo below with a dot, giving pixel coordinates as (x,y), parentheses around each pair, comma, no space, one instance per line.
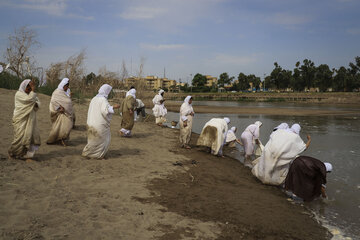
(295,128)
(184,118)
(233,129)
(282,126)
(161,91)
(63,83)
(131,92)
(187,99)
(104,90)
(227,120)
(23,85)
(258,123)
(328,167)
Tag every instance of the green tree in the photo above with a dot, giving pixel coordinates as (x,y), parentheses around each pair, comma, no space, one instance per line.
(307,71)
(224,79)
(254,80)
(199,80)
(242,82)
(341,80)
(90,79)
(323,77)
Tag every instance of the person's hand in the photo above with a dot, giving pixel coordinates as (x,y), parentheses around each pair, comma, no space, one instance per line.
(32,85)
(61,109)
(131,111)
(308,137)
(116,106)
(192,113)
(257,141)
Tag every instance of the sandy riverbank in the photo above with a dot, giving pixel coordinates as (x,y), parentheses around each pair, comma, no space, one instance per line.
(137,192)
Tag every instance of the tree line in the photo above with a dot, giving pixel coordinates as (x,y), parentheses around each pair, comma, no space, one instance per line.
(303,77)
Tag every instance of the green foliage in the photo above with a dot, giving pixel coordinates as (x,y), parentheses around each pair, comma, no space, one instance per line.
(224,79)
(199,80)
(9,81)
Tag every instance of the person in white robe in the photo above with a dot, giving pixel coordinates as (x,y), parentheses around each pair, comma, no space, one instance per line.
(186,112)
(61,113)
(250,137)
(281,149)
(231,138)
(213,135)
(26,134)
(98,123)
(159,109)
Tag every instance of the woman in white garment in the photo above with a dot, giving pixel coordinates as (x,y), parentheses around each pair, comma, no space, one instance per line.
(159,108)
(61,113)
(186,110)
(250,137)
(127,109)
(282,148)
(213,135)
(26,134)
(231,138)
(98,123)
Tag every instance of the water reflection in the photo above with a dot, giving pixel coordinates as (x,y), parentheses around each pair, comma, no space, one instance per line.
(335,139)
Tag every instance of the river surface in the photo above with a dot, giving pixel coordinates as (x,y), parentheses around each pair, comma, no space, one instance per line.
(335,139)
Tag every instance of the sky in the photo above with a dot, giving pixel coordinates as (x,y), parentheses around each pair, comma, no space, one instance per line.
(186,37)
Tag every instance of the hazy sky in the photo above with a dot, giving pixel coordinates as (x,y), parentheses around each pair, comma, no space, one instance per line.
(189,36)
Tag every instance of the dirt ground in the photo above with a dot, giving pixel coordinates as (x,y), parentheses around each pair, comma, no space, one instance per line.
(146,188)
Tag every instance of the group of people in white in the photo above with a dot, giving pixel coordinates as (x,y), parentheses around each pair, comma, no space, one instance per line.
(278,163)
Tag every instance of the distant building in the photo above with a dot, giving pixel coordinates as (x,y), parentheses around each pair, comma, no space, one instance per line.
(150,82)
(210,81)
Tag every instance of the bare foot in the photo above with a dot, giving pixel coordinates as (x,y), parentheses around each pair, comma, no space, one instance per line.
(187,147)
(121,133)
(63,143)
(29,160)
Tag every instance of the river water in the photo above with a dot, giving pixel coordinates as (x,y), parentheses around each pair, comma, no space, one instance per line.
(335,139)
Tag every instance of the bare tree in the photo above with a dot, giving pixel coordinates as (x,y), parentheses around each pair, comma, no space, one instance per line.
(72,68)
(19,51)
(124,72)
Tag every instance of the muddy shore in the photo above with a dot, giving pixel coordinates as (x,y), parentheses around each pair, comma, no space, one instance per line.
(147,188)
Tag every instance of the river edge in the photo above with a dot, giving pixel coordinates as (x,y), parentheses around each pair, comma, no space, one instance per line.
(139,192)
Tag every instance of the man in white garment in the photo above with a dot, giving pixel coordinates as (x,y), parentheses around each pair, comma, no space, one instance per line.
(282,148)
(159,109)
(61,114)
(213,135)
(98,123)
(26,134)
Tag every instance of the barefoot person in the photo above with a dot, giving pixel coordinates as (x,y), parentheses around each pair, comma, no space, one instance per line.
(159,108)
(127,108)
(187,113)
(213,135)
(26,134)
(249,138)
(61,114)
(282,148)
(307,178)
(98,123)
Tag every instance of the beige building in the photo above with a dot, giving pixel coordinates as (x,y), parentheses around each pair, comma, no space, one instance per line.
(151,82)
(210,81)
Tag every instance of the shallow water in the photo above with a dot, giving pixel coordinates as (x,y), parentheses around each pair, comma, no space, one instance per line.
(335,139)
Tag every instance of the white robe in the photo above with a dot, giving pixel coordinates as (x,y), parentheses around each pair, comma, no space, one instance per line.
(159,108)
(281,149)
(62,123)
(248,137)
(98,123)
(26,134)
(214,139)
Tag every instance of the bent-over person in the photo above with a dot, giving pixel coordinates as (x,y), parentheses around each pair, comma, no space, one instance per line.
(98,124)
(213,135)
(127,110)
(26,134)
(61,114)
(159,109)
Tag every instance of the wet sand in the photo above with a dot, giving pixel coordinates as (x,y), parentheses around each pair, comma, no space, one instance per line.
(139,192)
